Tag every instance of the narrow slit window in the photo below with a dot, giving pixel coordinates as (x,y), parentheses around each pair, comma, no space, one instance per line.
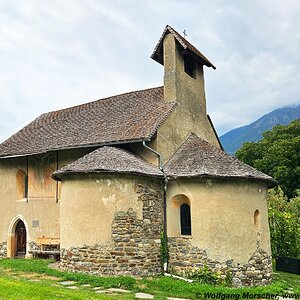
(25,186)
(185,219)
(257,219)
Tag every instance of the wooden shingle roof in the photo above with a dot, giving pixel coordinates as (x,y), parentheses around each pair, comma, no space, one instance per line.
(157,54)
(198,158)
(127,117)
(109,160)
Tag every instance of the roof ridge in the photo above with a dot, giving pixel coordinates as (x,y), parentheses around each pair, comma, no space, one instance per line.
(106,98)
(183,42)
(170,28)
(187,138)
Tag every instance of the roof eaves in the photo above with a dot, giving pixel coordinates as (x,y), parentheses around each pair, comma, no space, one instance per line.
(57,175)
(146,138)
(271,182)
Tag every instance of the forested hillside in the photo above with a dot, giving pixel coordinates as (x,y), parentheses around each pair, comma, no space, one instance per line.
(278,155)
(235,138)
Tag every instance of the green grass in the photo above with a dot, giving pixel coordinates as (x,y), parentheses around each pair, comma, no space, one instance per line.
(42,266)
(21,289)
(14,286)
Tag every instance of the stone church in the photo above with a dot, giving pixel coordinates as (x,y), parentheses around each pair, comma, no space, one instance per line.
(115,183)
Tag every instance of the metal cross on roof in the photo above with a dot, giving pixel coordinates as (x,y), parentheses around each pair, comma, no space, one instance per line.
(184,33)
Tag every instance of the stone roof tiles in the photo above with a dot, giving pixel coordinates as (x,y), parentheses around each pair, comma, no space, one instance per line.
(109,160)
(198,158)
(157,54)
(127,117)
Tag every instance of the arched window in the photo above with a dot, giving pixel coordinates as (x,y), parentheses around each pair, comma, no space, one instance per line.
(22,184)
(256,219)
(185,219)
(179,216)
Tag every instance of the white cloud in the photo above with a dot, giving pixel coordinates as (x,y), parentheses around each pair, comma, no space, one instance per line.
(55,54)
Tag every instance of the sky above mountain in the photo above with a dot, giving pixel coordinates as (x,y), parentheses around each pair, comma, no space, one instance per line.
(55,54)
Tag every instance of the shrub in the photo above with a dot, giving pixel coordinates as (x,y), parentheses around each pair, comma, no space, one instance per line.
(206,276)
(284,220)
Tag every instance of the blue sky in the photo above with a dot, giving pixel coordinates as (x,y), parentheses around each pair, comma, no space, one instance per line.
(59,53)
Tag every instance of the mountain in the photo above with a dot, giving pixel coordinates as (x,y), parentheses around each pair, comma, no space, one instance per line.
(234,139)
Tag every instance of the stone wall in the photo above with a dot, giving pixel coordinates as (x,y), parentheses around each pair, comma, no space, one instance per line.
(3,250)
(135,245)
(184,258)
(33,246)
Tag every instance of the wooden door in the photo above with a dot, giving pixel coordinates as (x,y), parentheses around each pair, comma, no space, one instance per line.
(21,239)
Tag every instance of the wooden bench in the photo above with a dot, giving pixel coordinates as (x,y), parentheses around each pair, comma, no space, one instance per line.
(46,243)
(48,247)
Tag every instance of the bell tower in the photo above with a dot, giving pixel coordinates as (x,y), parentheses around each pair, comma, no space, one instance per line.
(184,84)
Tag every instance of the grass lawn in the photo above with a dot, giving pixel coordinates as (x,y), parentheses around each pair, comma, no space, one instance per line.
(33,279)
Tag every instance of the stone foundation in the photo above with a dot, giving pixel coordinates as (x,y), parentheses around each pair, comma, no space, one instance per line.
(135,246)
(184,258)
(3,250)
(33,246)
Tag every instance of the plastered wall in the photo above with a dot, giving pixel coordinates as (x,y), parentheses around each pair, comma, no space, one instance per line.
(41,216)
(89,203)
(40,212)
(222,216)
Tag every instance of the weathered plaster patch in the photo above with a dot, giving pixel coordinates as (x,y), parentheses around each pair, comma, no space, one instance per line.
(110,200)
(123,187)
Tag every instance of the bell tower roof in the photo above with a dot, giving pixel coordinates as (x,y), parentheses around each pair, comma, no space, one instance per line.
(186,48)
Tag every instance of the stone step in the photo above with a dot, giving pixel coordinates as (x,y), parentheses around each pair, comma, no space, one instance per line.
(116,290)
(65,283)
(143,296)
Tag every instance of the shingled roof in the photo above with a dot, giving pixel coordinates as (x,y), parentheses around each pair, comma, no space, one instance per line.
(109,160)
(157,54)
(127,117)
(198,158)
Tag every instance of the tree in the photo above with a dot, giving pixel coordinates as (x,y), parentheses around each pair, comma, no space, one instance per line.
(278,155)
(284,220)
